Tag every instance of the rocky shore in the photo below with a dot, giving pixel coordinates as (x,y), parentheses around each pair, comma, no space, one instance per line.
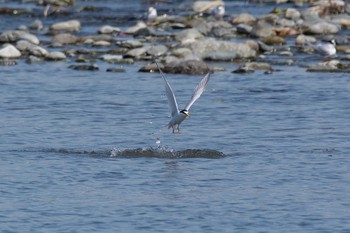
(185,42)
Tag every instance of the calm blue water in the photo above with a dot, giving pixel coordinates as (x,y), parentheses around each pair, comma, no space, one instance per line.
(88,151)
(284,137)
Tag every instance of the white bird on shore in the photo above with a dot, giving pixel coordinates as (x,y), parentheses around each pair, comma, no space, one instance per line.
(219,12)
(177,117)
(326,49)
(152,14)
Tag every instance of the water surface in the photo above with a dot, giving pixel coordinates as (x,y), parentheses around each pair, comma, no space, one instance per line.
(88,151)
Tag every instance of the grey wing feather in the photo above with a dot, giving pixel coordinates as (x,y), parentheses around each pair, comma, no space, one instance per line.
(171,98)
(170,94)
(198,90)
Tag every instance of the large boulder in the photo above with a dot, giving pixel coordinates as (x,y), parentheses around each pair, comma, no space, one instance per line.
(187,67)
(213,49)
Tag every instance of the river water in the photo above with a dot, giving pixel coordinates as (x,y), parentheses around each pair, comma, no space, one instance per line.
(88,152)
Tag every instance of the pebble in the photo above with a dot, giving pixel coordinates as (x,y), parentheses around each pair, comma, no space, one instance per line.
(36,25)
(56,56)
(292,13)
(188,35)
(116,70)
(263,29)
(130,44)
(33,59)
(244,18)
(15,35)
(65,39)
(184,41)
(9,51)
(322,28)
(304,40)
(201,6)
(274,40)
(137,27)
(68,26)
(244,29)
(136,53)
(329,66)
(116,59)
(106,29)
(157,50)
(252,66)
(102,37)
(187,67)
(101,43)
(92,67)
(221,50)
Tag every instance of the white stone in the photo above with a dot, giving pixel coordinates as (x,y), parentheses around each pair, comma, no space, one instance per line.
(9,51)
(71,25)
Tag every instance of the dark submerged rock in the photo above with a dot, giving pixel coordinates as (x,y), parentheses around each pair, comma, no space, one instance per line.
(91,67)
(187,67)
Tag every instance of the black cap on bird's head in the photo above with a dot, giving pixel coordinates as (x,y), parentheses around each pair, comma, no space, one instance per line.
(185,112)
(332,42)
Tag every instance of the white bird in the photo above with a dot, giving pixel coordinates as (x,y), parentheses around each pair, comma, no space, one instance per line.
(219,12)
(152,14)
(177,117)
(326,49)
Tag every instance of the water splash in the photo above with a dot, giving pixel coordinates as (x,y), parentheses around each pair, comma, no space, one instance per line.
(163,152)
(151,152)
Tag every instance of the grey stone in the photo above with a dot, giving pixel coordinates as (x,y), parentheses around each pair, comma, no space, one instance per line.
(187,67)
(244,18)
(244,29)
(91,67)
(56,56)
(188,35)
(65,38)
(136,53)
(135,28)
(106,29)
(157,50)
(321,28)
(13,36)
(69,26)
(221,50)
(36,25)
(131,44)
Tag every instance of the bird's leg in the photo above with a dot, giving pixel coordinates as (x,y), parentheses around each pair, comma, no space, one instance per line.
(173,129)
(178,129)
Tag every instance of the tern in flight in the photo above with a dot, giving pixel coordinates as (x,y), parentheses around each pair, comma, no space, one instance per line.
(177,116)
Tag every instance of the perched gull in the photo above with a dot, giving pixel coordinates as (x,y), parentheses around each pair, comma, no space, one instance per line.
(219,12)
(152,14)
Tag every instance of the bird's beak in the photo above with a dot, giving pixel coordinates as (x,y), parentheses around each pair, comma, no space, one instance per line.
(188,115)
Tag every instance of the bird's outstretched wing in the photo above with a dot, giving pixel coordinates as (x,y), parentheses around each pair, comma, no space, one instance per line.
(170,94)
(198,91)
